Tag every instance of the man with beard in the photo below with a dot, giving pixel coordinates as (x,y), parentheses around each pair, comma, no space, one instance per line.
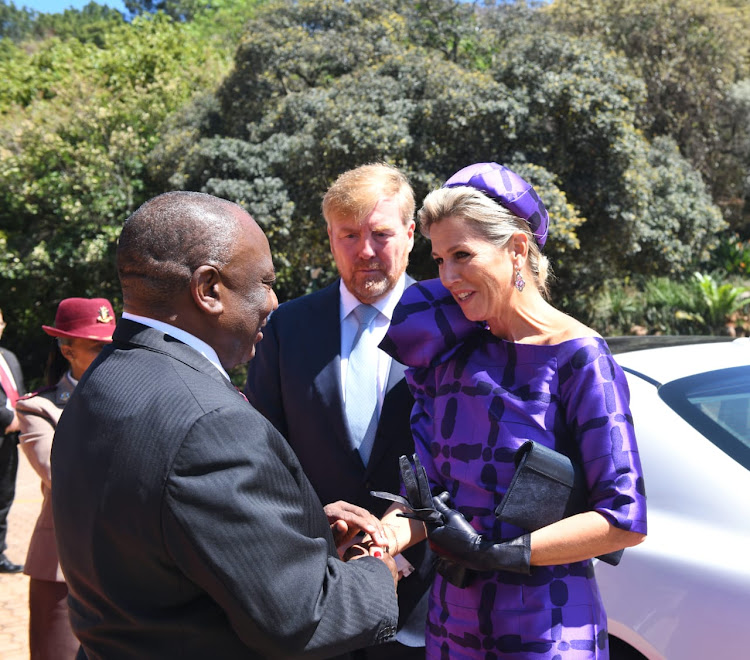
(319,376)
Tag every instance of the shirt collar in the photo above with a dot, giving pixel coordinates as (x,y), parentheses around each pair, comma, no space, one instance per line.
(185,337)
(384,305)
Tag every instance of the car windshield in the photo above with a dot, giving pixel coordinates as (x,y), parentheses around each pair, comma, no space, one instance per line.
(717,403)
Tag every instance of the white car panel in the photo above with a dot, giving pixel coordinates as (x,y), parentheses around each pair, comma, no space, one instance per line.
(683,594)
(665,364)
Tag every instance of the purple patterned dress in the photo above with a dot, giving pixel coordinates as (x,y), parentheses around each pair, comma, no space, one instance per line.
(478,398)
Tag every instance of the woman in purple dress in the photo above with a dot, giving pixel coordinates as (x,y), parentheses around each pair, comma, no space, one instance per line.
(491,365)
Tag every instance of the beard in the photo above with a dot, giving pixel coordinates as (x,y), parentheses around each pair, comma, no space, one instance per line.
(368,288)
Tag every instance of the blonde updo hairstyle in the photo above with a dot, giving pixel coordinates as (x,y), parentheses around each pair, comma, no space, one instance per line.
(490,220)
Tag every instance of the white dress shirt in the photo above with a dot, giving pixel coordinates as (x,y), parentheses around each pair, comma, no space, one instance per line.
(380,324)
(185,337)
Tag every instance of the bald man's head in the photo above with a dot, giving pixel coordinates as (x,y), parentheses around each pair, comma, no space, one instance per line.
(166,239)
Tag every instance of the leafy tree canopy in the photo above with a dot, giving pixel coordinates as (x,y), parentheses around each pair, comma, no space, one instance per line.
(86,24)
(694,57)
(320,87)
(629,117)
(77,120)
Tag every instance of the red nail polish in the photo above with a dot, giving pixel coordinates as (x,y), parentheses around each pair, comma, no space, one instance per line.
(377,554)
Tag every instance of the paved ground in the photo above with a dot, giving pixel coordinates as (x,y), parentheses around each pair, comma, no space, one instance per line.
(14,589)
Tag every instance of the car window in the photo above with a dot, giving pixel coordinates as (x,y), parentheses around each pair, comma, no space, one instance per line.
(717,403)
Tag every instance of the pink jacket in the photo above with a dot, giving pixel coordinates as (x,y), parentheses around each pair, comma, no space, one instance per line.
(38,415)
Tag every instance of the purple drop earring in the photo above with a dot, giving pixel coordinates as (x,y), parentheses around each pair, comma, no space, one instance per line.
(519,283)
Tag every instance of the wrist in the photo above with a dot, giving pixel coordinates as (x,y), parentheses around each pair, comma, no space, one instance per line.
(393,547)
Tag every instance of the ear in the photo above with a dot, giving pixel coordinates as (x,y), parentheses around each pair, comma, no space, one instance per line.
(519,249)
(206,289)
(410,233)
(330,236)
(67,352)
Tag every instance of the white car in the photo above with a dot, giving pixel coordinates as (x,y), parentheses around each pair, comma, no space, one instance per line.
(684,593)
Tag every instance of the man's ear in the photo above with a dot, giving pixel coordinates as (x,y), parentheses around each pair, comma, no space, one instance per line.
(330,236)
(206,289)
(410,233)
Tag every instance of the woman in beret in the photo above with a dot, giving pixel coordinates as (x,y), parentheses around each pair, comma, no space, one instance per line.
(492,364)
(82,328)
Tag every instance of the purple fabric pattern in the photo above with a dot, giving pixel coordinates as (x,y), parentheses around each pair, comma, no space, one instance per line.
(478,398)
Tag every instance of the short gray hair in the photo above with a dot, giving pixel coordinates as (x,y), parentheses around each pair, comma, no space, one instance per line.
(168,238)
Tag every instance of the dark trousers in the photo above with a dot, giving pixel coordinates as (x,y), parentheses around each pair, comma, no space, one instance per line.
(8,471)
(50,634)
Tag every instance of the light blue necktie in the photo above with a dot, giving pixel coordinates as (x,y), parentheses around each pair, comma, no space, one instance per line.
(362,384)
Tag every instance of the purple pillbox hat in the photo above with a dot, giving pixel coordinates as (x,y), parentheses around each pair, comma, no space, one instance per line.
(508,189)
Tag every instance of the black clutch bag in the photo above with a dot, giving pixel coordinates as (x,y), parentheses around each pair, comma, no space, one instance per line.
(547,486)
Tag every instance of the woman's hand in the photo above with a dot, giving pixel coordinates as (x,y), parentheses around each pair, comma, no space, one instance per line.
(367,548)
(347,520)
(457,541)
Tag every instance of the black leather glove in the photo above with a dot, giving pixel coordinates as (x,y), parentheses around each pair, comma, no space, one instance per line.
(418,496)
(457,541)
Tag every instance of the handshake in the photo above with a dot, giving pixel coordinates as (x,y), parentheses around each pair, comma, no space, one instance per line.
(458,545)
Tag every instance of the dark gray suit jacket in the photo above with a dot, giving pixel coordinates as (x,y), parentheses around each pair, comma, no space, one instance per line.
(6,415)
(185,525)
(295,381)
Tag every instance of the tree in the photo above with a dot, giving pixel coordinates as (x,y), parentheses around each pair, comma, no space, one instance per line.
(691,54)
(86,24)
(15,24)
(320,87)
(582,106)
(78,120)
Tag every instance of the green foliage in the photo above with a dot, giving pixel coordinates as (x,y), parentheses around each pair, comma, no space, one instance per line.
(78,122)
(647,211)
(87,24)
(15,23)
(97,115)
(701,304)
(222,18)
(690,54)
(612,309)
(320,87)
(732,256)
(177,9)
(720,301)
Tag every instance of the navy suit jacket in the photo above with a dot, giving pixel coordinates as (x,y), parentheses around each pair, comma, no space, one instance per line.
(186,526)
(295,381)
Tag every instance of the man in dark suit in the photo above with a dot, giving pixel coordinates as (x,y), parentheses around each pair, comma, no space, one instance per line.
(11,388)
(302,377)
(186,527)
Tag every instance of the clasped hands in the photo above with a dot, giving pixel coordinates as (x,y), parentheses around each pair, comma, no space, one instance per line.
(347,522)
(449,533)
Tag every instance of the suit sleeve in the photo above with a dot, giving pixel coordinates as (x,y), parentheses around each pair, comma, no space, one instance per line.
(242,522)
(263,387)
(37,431)
(15,365)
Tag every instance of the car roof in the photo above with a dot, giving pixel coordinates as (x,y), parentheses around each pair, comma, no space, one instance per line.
(672,358)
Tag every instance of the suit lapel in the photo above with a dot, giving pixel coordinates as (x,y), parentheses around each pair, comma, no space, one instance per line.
(326,345)
(130,333)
